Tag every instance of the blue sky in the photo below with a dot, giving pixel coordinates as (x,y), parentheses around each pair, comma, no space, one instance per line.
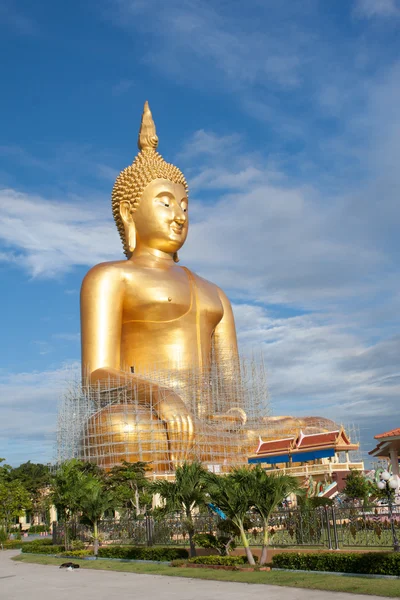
(285,118)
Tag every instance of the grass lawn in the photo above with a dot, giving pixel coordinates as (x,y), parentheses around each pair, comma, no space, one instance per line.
(357,585)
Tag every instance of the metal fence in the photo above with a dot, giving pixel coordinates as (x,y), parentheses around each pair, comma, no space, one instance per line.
(324,527)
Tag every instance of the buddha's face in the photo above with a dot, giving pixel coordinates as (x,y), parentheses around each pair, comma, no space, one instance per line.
(161,219)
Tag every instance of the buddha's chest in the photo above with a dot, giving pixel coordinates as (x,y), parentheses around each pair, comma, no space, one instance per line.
(160,296)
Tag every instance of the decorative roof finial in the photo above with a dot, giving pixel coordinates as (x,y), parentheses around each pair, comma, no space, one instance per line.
(148,139)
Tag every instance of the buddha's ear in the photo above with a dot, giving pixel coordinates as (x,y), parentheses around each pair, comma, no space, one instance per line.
(125,210)
(176,257)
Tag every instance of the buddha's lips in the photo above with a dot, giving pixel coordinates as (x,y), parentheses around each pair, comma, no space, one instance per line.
(176,229)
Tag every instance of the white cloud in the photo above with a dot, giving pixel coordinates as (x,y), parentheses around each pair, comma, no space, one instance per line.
(317,366)
(48,237)
(209,144)
(285,64)
(279,244)
(200,33)
(28,405)
(315,363)
(377,8)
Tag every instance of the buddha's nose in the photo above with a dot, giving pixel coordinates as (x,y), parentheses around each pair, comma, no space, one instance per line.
(180,218)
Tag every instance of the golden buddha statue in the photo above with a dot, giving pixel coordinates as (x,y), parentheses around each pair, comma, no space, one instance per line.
(147,315)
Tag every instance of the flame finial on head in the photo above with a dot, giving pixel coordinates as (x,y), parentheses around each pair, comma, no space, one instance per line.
(147,133)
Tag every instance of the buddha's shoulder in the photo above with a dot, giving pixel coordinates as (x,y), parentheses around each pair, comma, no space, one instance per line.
(204,283)
(113,271)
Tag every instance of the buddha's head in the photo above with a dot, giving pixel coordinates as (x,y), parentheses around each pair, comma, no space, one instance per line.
(150,198)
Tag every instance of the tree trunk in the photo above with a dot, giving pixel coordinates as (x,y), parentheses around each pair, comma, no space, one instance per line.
(264,549)
(95,538)
(66,532)
(137,501)
(245,541)
(228,546)
(192,551)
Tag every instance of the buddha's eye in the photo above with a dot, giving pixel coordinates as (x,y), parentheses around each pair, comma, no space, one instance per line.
(184,206)
(165,201)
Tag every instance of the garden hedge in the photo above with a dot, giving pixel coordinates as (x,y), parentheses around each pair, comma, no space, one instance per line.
(44,546)
(368,563)
(139,553)
(12,544)
(76,553)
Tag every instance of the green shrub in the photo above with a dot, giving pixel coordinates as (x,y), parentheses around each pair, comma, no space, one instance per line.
(39,542)
(179,562)
(12,544)
(229,561)
(41,547)
(369,563)
(76,553)
(139,553)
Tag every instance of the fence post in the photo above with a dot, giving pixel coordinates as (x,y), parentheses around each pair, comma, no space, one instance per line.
(300,512)
(149,530)
(328,528)
(335,532)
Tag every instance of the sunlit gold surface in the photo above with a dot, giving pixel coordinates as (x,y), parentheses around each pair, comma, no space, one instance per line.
(148,311)
(122,434)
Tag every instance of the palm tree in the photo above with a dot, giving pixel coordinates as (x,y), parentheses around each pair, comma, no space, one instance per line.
(94,501)
(186,493)
(232,494)
(267,492)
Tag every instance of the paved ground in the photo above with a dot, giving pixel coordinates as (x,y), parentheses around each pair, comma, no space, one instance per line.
(21,581)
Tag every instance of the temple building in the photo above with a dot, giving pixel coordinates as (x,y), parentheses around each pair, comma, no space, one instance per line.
(321,460)
(388,447)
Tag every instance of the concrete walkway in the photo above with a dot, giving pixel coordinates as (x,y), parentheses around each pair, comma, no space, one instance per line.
(22,581)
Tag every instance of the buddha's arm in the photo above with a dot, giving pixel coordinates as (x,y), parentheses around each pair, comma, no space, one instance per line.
(101,319)
(225,341)
(226,355)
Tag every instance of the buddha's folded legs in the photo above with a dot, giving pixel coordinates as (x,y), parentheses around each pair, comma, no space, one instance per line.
(134,433)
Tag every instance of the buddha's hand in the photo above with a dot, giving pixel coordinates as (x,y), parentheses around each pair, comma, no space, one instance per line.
(173,411)
(233,420)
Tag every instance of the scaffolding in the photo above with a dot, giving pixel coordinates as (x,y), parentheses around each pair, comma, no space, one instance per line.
(221,408)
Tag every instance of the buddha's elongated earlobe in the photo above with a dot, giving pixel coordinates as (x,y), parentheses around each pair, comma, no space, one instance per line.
(176,257)
(132,237)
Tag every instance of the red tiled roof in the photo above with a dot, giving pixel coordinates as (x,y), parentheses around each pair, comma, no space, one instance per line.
(275,445)
(327,439)
(387,434)
(317,439)
(378,447)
